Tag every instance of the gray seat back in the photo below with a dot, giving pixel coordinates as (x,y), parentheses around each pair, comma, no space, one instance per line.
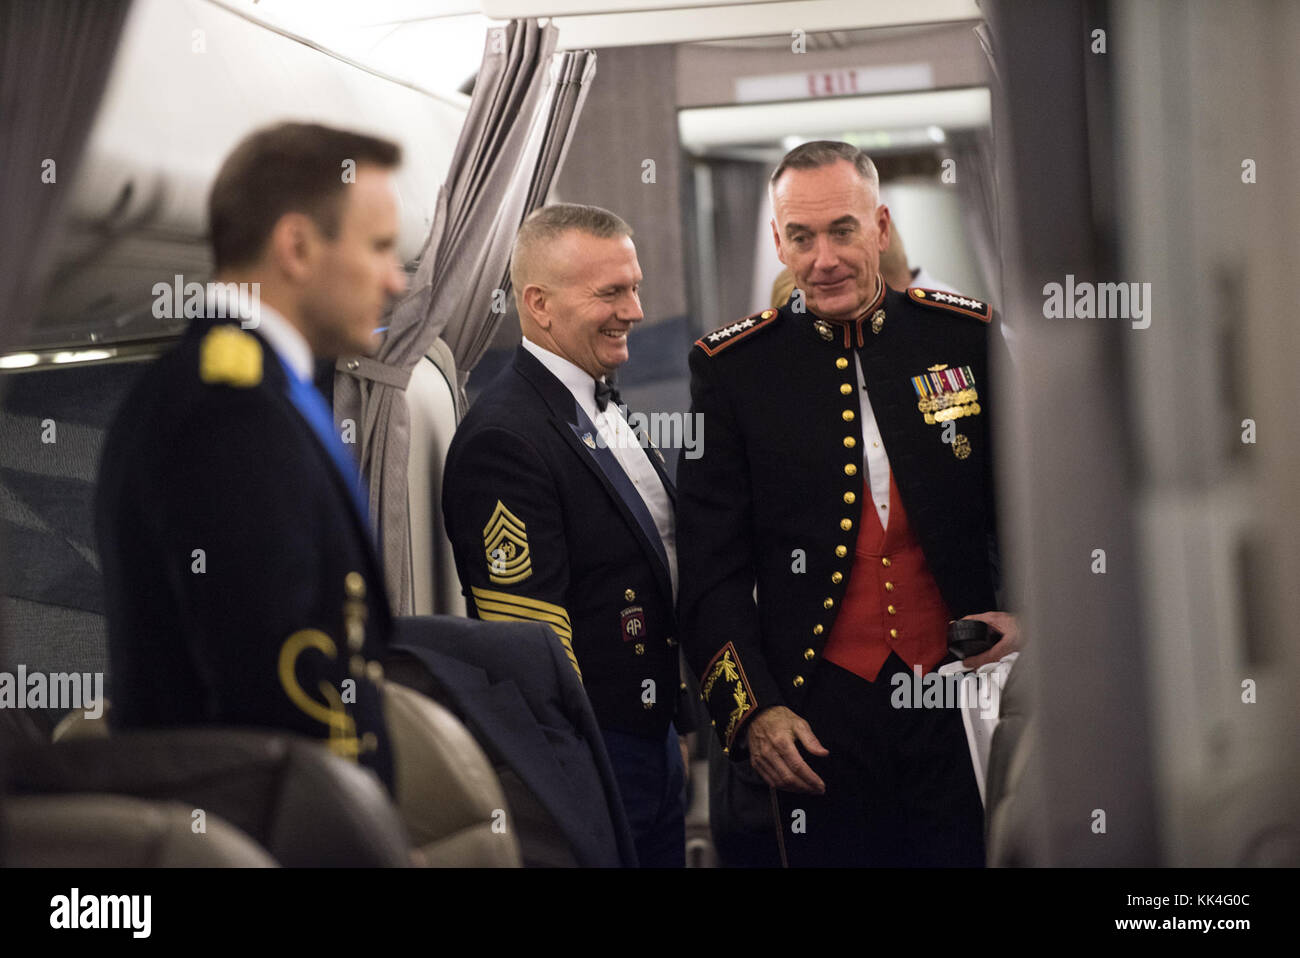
(303,805)
(114,831)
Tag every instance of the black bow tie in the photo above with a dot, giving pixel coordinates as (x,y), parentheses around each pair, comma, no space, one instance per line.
(604,393)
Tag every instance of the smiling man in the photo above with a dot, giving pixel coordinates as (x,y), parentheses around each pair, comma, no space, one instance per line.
(840,516)
(558,513)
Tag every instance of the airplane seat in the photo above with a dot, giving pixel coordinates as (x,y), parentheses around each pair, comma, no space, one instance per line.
(115,831)
(446,790)
(304,806)
(434,409)
(448,795)
(75,725)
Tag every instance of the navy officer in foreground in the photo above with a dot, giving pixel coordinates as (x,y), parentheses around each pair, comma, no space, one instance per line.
(558,513)
(847,475)
(242,586)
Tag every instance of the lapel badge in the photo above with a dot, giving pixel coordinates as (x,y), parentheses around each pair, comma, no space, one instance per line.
(824,330)
(586,438)
(877,320)
(961,446)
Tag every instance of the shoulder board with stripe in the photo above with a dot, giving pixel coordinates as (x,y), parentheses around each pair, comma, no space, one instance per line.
(724,336)
(953,302)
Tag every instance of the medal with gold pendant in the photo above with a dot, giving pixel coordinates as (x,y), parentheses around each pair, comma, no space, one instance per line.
(946,394)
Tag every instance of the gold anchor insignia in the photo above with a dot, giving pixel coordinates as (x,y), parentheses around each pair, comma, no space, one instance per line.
(342,727)
(877,320)
(823,330)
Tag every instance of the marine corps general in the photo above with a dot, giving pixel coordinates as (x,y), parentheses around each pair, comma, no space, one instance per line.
(841,515)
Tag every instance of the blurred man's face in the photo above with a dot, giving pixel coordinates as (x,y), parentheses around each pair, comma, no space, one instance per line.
(592,300)
(355,275)
(830,231)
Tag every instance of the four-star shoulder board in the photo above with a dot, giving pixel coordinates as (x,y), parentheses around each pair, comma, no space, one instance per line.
(724,336)
(953,302)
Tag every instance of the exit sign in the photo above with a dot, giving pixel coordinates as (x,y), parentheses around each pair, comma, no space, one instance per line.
(841,81)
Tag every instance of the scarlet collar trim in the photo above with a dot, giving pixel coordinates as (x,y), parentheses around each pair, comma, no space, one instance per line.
(852,326)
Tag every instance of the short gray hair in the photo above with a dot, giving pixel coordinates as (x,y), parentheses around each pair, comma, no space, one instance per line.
(819,153)
(549,223)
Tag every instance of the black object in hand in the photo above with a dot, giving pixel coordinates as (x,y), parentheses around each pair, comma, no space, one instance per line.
(967,637)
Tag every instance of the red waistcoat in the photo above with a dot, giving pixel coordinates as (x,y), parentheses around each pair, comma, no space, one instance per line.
(892,602)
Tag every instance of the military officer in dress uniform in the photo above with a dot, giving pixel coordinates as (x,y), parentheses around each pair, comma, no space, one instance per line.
(558,513)
(846,474)
(242,586)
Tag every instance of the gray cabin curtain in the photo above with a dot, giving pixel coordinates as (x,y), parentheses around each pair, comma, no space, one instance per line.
(977,198)
(55,57)
(521,117)
(55,60)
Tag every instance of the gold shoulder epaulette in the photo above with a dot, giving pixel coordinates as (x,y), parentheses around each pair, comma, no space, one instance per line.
(732,333)
(953,302)
(228,356)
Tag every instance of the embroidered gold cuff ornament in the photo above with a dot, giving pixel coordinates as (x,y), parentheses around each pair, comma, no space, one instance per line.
(726,668)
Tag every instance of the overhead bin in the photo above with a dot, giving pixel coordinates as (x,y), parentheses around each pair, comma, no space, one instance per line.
(190,80)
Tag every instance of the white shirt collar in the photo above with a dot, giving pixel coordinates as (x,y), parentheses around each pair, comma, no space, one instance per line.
(289,344)
(575,378)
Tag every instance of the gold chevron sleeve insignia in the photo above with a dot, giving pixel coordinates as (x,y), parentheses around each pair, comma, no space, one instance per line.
(505,544)
(496,606)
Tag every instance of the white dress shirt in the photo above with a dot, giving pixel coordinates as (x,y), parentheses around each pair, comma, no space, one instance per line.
(874,457)
(288,343)
(623,443)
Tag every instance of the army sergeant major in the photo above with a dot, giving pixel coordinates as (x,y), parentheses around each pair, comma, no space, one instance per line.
(847,475)
(559,514)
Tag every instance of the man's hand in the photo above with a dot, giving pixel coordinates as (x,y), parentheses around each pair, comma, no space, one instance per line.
(1003,622)
(771,736)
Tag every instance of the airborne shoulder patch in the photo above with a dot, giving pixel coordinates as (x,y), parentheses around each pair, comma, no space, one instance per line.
(724,336)
(505,545)
(228,356)
(952,302)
